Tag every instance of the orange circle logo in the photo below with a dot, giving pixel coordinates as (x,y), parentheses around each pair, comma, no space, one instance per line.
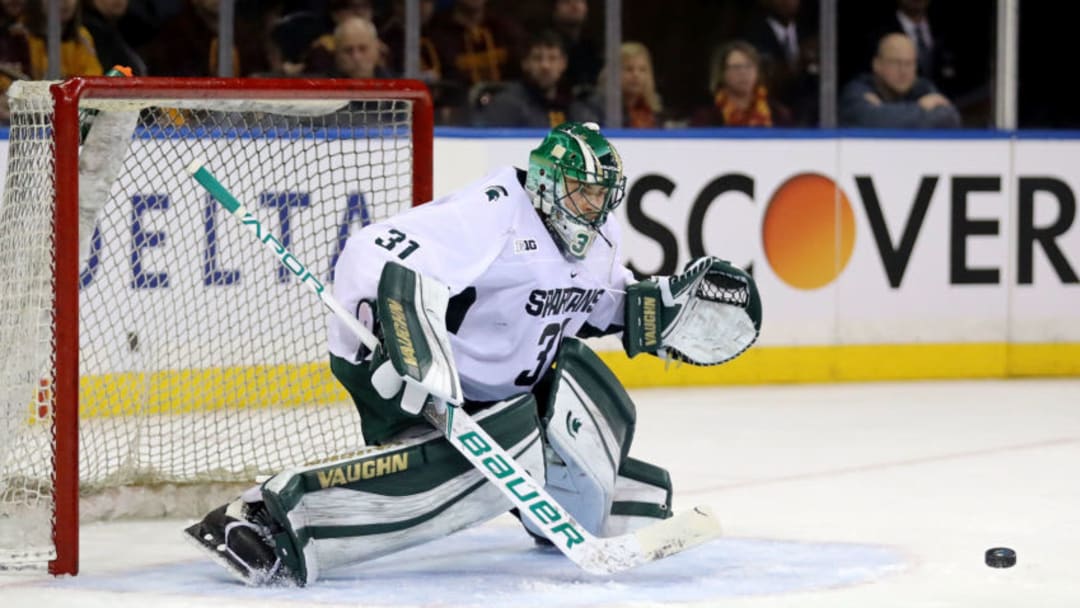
(809,231)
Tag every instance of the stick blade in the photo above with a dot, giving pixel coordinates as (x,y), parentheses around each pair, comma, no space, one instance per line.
(653,542)
(679,533)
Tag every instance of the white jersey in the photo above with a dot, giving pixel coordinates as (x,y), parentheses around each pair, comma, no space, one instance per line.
(514,296)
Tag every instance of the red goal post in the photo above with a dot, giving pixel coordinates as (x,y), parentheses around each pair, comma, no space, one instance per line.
(120,375)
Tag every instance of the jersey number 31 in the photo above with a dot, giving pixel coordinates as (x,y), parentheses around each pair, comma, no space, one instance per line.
(395,238)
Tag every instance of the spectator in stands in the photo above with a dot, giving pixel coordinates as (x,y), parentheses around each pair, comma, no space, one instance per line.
(962,73)
(12,9)
(740,98)
(14,47)
(642,105)
(290,38)
(77,55)
(102,19)
(475,45)
(537,99)
(583,57)
(321,58)
(933,59)
(893,95)
(254,19)
(356,50)
(393,35)
(187,44)
(14,51)
(789,57)
(143,19)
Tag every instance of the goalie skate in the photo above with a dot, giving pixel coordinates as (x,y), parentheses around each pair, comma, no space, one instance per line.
(239,546)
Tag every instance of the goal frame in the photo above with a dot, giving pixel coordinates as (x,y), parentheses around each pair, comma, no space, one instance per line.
(65,310)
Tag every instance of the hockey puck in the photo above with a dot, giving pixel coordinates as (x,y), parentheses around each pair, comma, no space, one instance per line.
(1000,557)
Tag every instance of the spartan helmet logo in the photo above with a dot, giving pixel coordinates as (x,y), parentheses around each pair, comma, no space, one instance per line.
(573,425)
(495,192)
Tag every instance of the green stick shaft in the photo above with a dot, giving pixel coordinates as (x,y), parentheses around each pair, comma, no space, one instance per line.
(287,259)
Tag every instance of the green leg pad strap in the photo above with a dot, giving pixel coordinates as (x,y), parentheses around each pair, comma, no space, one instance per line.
(639,474)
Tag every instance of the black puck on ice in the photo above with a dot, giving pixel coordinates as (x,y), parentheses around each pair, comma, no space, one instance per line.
(1000,557)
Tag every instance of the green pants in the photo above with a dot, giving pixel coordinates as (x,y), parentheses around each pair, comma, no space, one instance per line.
(380,419)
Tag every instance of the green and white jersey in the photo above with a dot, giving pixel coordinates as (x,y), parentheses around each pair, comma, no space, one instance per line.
(514,296)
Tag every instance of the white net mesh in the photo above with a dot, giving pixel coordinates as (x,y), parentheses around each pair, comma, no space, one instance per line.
(25,332)
(200,360)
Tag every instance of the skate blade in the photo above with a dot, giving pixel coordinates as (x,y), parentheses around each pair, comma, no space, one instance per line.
(193,534)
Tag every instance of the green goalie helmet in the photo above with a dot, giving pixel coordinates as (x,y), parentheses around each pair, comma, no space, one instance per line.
(575,179)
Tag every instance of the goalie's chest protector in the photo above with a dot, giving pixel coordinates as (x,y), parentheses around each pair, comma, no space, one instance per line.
(515,296)
(527,300)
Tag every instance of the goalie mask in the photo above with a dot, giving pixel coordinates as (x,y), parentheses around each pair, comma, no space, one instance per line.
(575,179)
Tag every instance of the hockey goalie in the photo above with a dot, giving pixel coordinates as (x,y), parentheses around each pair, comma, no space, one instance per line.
(527,262)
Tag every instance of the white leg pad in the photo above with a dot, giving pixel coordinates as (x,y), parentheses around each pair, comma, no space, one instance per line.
(584,455)
(589,424)
(395,497)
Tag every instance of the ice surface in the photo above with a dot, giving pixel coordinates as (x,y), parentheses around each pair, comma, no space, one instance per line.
(830,495)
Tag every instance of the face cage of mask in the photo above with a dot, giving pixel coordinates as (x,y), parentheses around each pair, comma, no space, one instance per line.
(561,196)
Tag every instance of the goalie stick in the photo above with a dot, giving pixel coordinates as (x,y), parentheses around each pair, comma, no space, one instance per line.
(596,555)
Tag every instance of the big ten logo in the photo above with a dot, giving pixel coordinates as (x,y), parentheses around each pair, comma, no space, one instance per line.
(286,210)
(525,245)
(808,229)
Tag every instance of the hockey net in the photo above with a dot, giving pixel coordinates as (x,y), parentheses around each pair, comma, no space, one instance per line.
(148,345)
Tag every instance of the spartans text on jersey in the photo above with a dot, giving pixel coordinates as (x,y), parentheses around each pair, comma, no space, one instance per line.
(561,300)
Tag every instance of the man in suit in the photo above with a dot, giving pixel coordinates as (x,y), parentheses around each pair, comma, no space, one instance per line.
(789,57)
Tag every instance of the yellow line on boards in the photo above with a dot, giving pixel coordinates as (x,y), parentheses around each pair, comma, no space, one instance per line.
(200,390)
(291,385)
(767,365)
